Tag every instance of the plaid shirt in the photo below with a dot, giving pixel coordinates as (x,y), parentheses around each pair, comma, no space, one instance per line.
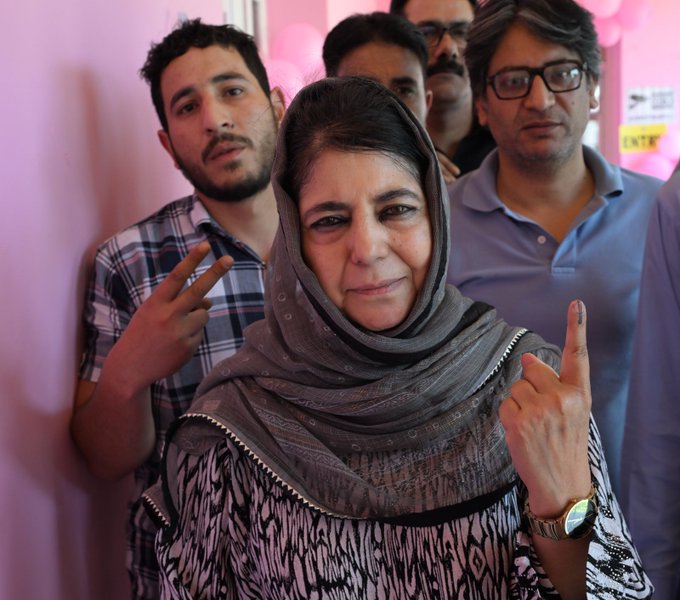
(127,269)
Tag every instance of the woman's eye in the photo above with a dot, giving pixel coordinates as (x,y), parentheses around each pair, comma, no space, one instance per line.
(397,210)
(326,222)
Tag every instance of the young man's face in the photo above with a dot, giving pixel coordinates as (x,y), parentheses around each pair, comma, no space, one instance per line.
(221,125)
(394,67)
(543,126)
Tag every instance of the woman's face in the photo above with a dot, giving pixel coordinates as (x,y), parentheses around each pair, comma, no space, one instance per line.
(366,235)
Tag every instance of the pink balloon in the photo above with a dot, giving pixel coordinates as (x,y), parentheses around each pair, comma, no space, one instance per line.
(654,164)
(669,143)
(608,31)
(285,75)
(300,44)
(601,8)
(634,13)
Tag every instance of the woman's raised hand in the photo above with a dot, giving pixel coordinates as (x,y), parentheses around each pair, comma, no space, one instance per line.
(546,422)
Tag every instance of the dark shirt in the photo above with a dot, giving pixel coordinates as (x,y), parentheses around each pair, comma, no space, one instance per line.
(473,148)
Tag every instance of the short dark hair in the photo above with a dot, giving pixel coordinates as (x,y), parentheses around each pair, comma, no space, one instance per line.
(397,6)
(562,22)
(346,113)
(195,34)
(357,30)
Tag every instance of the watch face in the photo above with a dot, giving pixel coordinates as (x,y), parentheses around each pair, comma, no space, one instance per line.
(580,518)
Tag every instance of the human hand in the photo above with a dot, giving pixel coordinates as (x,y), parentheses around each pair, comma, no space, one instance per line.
(449,170)
(167,328)
(546,421)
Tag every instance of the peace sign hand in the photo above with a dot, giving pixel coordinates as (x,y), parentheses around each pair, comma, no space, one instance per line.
(167,328)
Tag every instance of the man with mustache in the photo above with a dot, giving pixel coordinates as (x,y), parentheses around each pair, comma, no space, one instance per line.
(546,218)
(451,120)
(171,295)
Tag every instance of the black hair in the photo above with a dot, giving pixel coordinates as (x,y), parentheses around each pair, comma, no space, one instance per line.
(347,114)
(562,22)
(397,6)
(195,34)
(360,29)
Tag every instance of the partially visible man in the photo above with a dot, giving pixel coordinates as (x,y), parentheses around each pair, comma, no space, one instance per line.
(451,120)
(390,50)
(651,443)
(383,47)
(150,336)
(545,218)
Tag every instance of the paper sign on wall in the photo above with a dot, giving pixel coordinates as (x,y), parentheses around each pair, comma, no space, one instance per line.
(640,138)
(647,105)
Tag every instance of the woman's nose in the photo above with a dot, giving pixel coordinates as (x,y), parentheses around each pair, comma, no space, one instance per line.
(367,241)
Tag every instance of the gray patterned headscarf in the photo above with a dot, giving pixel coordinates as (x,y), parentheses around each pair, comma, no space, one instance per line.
(357,423)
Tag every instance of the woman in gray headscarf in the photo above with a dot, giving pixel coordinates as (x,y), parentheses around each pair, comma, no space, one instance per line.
(353,447)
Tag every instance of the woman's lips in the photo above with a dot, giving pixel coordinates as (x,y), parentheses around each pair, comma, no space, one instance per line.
(374,289)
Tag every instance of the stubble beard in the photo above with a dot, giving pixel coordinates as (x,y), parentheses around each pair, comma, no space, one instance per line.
(535,160)
(251,184)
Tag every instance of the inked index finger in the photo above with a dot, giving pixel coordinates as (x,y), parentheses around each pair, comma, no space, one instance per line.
(575,365)
(193,296)
(172,285)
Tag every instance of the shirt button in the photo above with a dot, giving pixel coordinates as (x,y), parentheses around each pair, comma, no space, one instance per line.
(541,239)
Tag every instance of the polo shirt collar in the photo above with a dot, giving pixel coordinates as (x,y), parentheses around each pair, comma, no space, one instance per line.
(480,188)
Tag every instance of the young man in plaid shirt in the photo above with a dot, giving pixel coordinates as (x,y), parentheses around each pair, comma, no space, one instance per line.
(170,296)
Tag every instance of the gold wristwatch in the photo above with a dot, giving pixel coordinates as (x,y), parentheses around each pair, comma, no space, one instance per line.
(577,520)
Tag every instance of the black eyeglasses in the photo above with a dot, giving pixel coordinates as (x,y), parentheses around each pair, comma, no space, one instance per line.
(515,82)
(434,32)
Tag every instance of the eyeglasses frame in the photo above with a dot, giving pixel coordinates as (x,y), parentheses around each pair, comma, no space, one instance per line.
(456,30)
(540,72)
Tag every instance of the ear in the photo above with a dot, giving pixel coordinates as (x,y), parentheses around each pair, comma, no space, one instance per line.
(428,99)
(164,139)
(482,112)
(278,101)
(592,98)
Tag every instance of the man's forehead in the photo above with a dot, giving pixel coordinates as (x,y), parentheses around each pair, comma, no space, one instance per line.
(442,11)
(379,58)
(520,47)
(200,66)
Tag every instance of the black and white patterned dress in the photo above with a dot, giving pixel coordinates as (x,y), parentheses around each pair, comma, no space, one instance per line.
(232,531)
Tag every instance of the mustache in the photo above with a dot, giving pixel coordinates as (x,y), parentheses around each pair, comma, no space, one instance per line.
(446,65)
(224,137)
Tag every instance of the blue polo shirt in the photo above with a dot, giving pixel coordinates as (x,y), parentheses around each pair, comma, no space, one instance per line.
(509,261)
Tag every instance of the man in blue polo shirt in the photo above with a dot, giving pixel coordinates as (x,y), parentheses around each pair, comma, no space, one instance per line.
(546,219)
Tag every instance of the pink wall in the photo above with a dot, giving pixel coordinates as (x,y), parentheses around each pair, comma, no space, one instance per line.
(645,56)
(650,56)
(79,161)
(338,10)
(323,14)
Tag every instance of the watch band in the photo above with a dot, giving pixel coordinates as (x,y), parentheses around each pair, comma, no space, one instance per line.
(577,520)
